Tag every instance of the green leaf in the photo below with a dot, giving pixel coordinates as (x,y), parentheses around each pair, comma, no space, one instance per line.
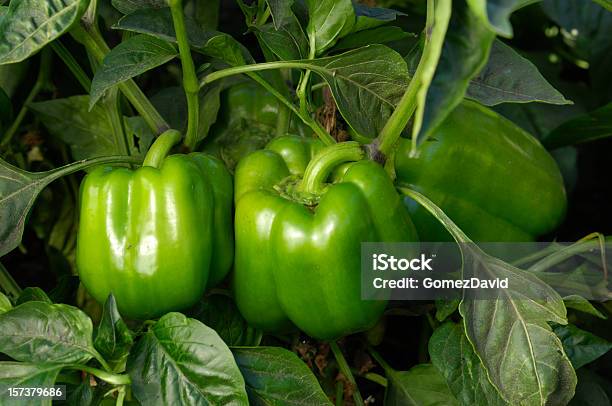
(510,331)
(29,25)
(139,135)
(372,17)
(579,303)
(366,83)
(280,11)
(40,332)
(379,35)
(18,374)
(287,42)
(129,6)
(182,361)
(422,385)
(129,59)
(464,53)
(276,376)
(220,313)
(33,294)
(79,395)
(509,78)
(329,20)
(496,13)
(581,346)
(5,303)
(89,133)
(19,189)
(158,23)
(592,126)
(452,354)
(113,337)
(444,308)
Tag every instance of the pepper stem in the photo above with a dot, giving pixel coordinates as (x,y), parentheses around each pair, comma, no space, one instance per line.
(161,147)
(327,159)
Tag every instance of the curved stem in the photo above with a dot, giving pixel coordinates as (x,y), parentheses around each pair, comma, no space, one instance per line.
(376,378)
(407,105)
(321,165)
(161,147)
(109,377)
(72,64)
(190,80)
(379,358)
(346,371)
(83,164)
(41,79)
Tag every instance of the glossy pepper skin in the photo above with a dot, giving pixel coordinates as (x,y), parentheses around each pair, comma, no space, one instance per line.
(155,237)
(299,263)
(492,178)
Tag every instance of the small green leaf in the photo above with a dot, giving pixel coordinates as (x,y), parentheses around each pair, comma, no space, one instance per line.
(277,377)
(372,17)
(452,354)
(589,127)
(509,78)
(139,135)
(29,25)
(581,304)
(33,294)
(422,385)
(581,346)
(445,308)
(182,361)
(129,59)
(287,42)
(220,313)
(113,337)
(329,20)
(18,374)
(89,133)
(40,332)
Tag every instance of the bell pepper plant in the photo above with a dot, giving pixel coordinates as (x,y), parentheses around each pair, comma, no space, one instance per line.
(187,189)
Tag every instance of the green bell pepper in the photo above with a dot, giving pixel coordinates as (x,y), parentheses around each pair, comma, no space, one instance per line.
(298,238)
(494,180)
(155,237)
(247,121)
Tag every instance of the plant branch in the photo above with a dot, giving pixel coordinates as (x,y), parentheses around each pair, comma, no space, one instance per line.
(109,377)
(190,80)
(346,371)
(41,80)
(249,71)
(72,64)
